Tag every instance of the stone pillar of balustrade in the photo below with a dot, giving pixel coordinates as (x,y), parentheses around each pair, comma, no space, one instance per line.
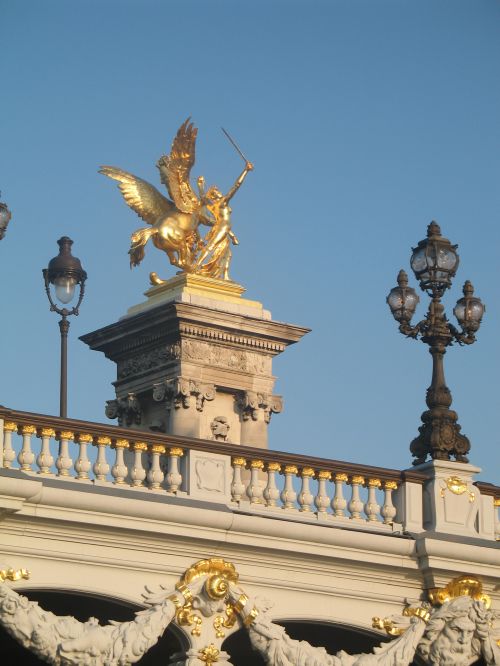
(445,500)
(195,360)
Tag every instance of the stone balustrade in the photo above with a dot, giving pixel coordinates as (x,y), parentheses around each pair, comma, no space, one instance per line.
(254,480)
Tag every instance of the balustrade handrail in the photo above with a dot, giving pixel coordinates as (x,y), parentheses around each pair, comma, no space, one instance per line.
(97,429)
(276,480)
(22,418)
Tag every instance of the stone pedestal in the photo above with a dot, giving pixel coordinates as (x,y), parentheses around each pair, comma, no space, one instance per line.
(451,503)
(195,360)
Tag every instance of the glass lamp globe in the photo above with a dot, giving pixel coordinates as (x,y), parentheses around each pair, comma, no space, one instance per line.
(64,272)
(434,261)
(469,310)
(65,289)
(402,300)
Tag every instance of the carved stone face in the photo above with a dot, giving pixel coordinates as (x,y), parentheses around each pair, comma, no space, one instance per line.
(451,638)
(220,428)
(453,646)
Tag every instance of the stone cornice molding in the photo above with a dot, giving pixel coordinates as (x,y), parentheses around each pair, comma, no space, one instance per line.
(169,322)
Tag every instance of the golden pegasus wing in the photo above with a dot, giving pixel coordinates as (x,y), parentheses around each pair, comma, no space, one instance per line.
(176,168)
(143,198)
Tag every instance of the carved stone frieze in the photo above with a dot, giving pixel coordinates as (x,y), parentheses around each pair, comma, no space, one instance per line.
(127,410)
(208,604)
(147,360)
(224,357)
(250,402)
(177,392)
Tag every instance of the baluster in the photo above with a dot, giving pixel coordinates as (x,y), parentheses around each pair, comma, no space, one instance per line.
(288,494)
(82,464)
(372,507)
(339,502)
(9,455)
(155,475)
(45,459)
(497,519)
(63,461)
(119,470)
(26,455)
(305,496)
(355,505)
(271,491)
(255,490)
(237,486)
(389,510)
(138,473)
(174,477)
(101,467)
(322,501)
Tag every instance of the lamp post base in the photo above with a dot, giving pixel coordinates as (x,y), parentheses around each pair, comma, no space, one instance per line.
(440,437)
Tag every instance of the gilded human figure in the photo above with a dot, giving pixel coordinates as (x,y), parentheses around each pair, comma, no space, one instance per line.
(217,250)
(174,223)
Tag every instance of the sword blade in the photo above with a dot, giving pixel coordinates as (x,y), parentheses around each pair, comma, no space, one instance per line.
(234,144)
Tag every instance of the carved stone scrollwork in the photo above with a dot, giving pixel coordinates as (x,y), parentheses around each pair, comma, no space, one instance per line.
(250,402)
(127,410)
(179,392)
(208,603)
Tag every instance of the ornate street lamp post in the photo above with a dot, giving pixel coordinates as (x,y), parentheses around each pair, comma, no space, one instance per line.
(64,272)
(434,262)
(5,216)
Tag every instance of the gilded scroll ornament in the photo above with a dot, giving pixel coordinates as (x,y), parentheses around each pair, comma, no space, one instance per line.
(461,586)
(174,222)
(457,486)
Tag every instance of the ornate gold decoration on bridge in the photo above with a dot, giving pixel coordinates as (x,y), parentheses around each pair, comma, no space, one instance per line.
(84,438)
(461,586)
(174,223)
(14,574)
(66,434)
(209,655)
(219,574)
(457,486)
(388,625)
(46,432)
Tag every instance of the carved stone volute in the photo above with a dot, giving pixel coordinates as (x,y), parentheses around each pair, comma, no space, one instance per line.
(182,392)
(252,403)
(126,409)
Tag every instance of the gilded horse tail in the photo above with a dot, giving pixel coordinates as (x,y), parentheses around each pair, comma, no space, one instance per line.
(139,239)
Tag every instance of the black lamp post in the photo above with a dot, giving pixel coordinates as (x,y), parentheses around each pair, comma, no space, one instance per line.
(5,216)
(64,272)
(434,262)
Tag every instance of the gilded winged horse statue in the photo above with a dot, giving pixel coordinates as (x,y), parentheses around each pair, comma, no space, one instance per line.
(175,221)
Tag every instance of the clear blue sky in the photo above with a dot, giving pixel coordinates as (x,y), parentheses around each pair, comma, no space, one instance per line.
(365,121)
